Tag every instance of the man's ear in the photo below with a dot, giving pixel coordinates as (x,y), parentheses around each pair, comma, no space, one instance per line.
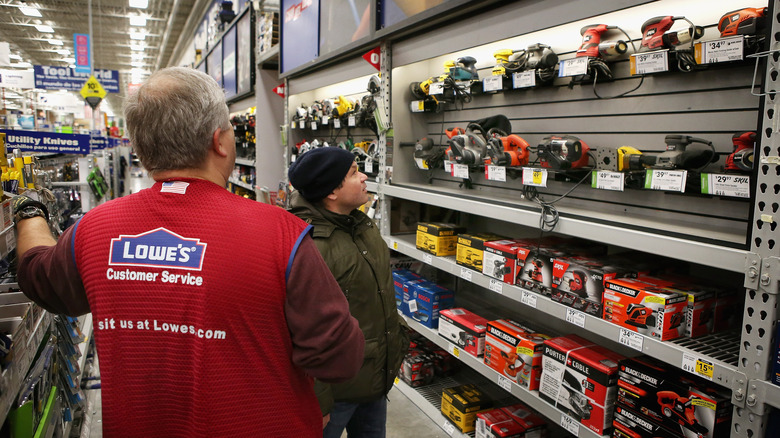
(216,143)
(332,196)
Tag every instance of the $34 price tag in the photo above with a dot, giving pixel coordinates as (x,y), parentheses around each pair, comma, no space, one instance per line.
(570,424)
(631,339)
(700,367)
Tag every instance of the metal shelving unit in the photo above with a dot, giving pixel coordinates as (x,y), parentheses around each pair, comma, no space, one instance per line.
(428,399)
(241,184)
(245,161)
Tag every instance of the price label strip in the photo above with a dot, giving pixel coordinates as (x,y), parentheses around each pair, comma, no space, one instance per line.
(465,273)
(570,424)
(460,171)
(573,67)
(427,259)
(337,123)
(534,177)
(666,180)
(524,79)
(737,186)
(492,83)
(504,383)
(453,350)
(495,173)
(496,286)
(528,298)
(721,50)
(698,366)
(448,427)
(631,339)
(436,88)
(575,317)
(652,62)
(606,180)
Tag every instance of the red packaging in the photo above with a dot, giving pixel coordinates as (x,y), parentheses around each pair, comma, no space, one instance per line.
(645,308)
(496,423)
(464,329)
(515,351)
(499,259)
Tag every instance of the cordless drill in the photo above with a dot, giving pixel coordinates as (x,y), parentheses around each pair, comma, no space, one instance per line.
(741,158)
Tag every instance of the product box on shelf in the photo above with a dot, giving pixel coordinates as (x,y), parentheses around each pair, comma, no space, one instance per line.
(578,282)
(533,423)
(700,308)
(630,424)
(461,404)
(400,277)
(439,239)
(534,267)
(581,379)
(515,421)
(407,290)
(500,259)
(514,351)
(417,369)
(464,329)
(677,401)
(425,300)
(645,308)
(471,248)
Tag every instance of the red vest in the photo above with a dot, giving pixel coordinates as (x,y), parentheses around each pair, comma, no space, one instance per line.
(187,292)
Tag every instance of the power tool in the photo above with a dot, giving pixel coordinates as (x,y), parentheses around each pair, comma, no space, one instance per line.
(500,268)
(508,151)
(639,316)
(469,147)
(630,158)
(539,57)
(426,156)
(682,410)
(741,158)
(464,69)
(563,152)
(676,319)
(578,282)
(678,156)
(593,47)
(747,21)
(578,402)
(341,107)
(656,36)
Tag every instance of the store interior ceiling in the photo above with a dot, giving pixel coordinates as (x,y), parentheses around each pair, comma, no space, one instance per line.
(125,37)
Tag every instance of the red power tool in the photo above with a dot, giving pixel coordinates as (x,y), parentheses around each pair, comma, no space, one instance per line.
(655,35)
(638,315)
(593,47)
(741,159)
(510,150)
(563,152)
(747,21)
(682,410)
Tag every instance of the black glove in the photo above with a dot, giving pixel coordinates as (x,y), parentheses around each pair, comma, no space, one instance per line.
(26,207)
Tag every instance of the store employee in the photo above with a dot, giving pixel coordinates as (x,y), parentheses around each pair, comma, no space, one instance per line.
(212,312)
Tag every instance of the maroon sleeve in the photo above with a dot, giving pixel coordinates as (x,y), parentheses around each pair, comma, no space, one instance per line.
(48,276)
(327,341)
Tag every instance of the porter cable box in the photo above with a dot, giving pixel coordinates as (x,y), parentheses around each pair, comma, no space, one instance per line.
(578,282)
(425,300)
(581,379)
(630,424)
(471,247)
(678,401)
(515,421)
(464,329)
(500,259)
(461,404)
(514,351)
(439,239)
(645,308)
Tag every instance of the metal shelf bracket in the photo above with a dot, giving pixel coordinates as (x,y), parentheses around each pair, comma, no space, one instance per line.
(752,270)
(739,389)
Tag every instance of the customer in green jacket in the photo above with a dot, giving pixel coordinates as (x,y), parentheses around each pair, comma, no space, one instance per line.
(330,188)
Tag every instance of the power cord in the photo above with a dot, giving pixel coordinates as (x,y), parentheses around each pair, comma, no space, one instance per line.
(604,68)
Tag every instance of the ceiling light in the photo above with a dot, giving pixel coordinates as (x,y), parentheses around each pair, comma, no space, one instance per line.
(137,56)
(44,28)
(68,60)
(71,65)
(138,63)
(13,56)
(29,11)
(137,20)
(138,36)
(141,4)
(139,47)
(55,42)
(22,64)
(63,52)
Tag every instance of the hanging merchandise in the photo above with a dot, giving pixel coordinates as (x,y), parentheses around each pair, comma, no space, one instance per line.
(537,57)
(741,159)
(747,21)
(97,184)
(563,152)
(656,35)
(452,86)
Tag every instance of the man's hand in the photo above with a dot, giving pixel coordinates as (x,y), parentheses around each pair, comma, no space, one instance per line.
(325,420)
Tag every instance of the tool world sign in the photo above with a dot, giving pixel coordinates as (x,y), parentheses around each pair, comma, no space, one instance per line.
(64,78)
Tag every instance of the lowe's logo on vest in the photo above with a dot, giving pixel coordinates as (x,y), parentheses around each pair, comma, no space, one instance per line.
(158,248)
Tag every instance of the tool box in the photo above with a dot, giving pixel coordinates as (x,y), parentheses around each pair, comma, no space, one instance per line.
(439,239)
(500,259)
(514,351)
(578,282)
(471,248)
(630,424)
(580,378)
(664,394)
(424,300)
(464,329)
(645,308)
(461,404)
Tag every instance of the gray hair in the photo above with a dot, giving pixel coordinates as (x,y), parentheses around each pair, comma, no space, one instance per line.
(172,117)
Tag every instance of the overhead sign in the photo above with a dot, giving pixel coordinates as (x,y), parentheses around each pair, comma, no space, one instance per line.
(372,57)
(51,142)
(93,92)
(64,78)
(279,89)
(17,79)
(81,47)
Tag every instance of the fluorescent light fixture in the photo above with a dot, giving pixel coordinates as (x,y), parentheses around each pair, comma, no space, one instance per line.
(44,28)
(63,52)
(14,56)
(140,4)
(54,42)
(30,12)
(138,64)
(138,47)
(141,71)
(136,56)
(68,60)
(71,65)
(137,20)
(138,36)
(22,65)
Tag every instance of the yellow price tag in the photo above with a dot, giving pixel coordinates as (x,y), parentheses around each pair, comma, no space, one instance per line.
(395,245)
(421,105)
(456,351)
(705,368)
(537,177)
(395,381)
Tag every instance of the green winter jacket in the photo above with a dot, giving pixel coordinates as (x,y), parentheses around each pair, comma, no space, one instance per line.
(359,259)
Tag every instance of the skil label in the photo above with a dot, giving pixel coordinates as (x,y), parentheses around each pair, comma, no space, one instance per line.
(158,248)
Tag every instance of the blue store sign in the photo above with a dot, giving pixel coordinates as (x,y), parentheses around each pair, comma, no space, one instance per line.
(48,142)
(65,78)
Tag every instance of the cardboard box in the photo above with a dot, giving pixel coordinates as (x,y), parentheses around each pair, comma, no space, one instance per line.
(700,310)
(666,395)
(461,404)
(439,239)
(464,329)
(417,369)
(500,259)
(630,424)
(643,307)
(400,277)
(423,300)
(534,424)
(515,351)
(497,424)
(471,248)
(578,282)
(534,267)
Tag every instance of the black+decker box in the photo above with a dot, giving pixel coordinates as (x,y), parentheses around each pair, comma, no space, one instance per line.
(471,247)
(439,239)
(645,308)
(630,424)
(464,329)
(461,404)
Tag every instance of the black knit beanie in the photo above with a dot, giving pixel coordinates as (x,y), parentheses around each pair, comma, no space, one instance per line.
(316,173)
